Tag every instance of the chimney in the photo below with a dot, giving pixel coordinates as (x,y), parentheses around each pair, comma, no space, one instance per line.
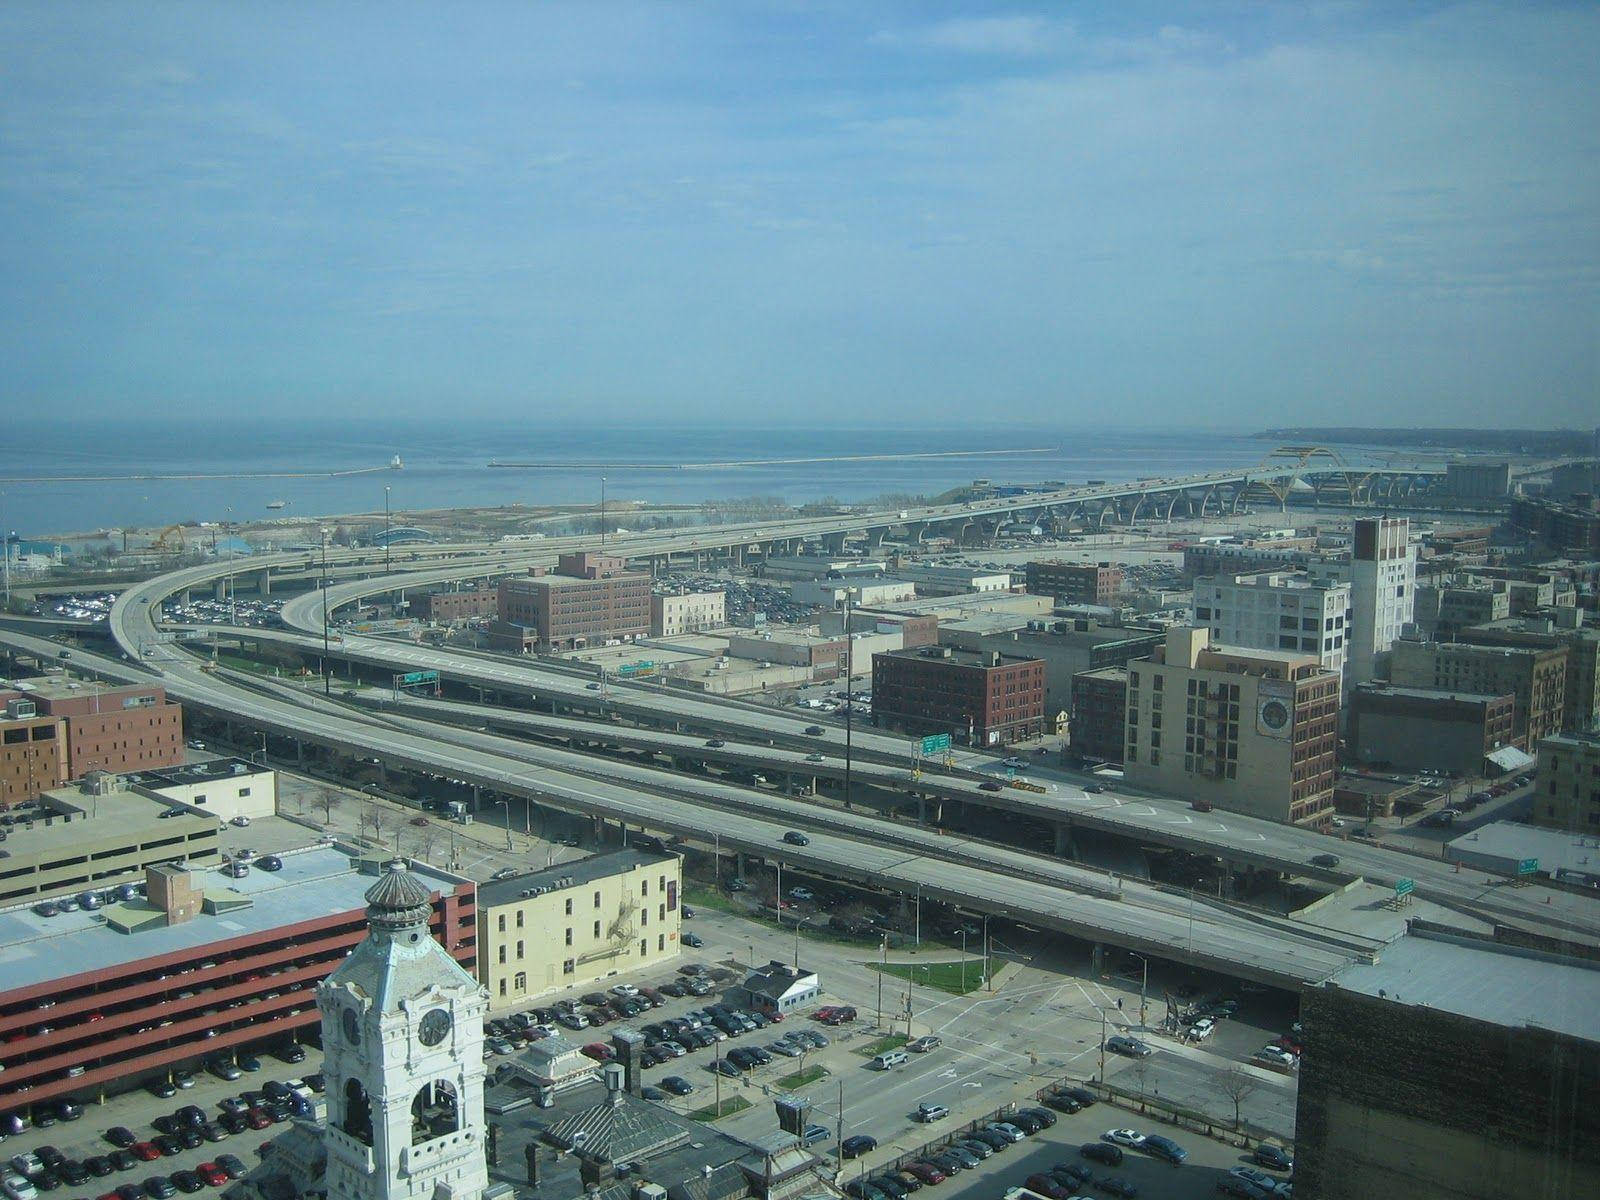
(612,1073)
(629,1046)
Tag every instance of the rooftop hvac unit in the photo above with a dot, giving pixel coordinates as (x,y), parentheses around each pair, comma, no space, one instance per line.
(20,709)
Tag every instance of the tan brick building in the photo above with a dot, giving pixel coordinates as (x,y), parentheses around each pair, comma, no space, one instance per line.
(591,598)
(1567,792)
(33,749)
(112,728)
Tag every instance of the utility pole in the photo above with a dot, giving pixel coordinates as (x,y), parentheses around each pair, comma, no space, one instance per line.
(603,516)
(988,981)
(385,529)
(326,682)
(1102,1045)
(849,705)
(883,962)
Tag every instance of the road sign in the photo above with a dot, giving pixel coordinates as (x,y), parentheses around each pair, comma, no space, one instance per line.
(1528,866)
(415,677)
(935,743)
(643,667)
(1404,887)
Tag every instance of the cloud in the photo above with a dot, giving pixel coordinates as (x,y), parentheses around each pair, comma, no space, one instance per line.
(1016,36)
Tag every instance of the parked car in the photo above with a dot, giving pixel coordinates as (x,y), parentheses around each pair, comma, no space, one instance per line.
(932,1112)
(1103,1152)
(858,1144)
(1274,1156)
(1131,1046)
(925,1043)
(1164,1147)
(1130,1138)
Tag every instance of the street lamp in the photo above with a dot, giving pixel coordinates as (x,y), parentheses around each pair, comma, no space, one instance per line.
(797,926)
(326,683)
(386,529)
(1144,984)
(506,804)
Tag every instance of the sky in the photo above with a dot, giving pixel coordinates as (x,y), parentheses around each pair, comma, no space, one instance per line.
(1181,214)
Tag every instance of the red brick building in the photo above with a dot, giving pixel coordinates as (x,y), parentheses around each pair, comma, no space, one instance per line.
(590,598)
(1100,713)
(983,698)
(33,749)
(132,728)
(205,966)
(469,605)
(1076,583)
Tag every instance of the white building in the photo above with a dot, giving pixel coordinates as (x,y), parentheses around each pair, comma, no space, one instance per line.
(953,581)
(224,788)
(1276,612)
(688,613)
(830,593)
(1383,582)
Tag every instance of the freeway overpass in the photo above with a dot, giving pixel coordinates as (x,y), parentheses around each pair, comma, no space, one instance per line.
(972,875)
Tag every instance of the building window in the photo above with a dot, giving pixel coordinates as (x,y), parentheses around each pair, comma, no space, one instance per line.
(569,906)
(500,923)
(644,887)
(520,981)
(569,935)
(519,949)
(569,967)
(502,987)
(597,929)
(661,942)
(597,899)
(519,918)
(502,953)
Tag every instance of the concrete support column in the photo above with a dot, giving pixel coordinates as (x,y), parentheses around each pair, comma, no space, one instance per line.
(264,582)
(922,810)
(1063,833)
(299,752)
(598,828)
(739,865)
(477,797)
(220,588)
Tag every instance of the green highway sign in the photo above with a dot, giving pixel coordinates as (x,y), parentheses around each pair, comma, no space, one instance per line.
(1528,866)
(1404,887)
(412,677)
(935,743)
(635,668)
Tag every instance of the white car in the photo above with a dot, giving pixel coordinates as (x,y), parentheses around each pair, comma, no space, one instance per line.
(624,989)
(1277,1054)
(1010,1132)
(1130,1138)
(241,821)
(801,893)
(1202,1029)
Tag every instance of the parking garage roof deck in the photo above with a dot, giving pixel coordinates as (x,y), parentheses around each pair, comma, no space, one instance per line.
(317,882)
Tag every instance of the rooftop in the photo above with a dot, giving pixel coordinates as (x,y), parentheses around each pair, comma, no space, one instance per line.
(1499,984)
(315,882)
(1433,694)
(56,687)
(951,657)
(194,772)
(571,874)
(1556,849)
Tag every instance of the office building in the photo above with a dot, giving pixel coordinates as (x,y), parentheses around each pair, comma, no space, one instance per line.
(1251,731)
(33,749)
(914,630)
(1535,677)
(1447,606)
(1417,729)
(1066,646)
(1469,480)
(110,727)
(1566,793)
(94,834)
(202,964)
(1100,713)
(1392,1098)
(687,612)
(863,591)
(225,788)
(980,698)
(1075,583)
(1276,611)
(1581,705)
(1571,527)
(1228,556)
(1383,581)
(952,581)
(591,599)
(577,922)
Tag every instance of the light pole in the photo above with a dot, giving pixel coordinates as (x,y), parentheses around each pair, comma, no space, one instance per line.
(1144,985)
(849,705)
(919,916)
(326,683)
(506,804)
(797,926)
(988,983)
(385,529)
(602,510)
(1102,1046)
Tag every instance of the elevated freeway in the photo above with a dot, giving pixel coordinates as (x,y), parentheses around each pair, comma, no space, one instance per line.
(977,876)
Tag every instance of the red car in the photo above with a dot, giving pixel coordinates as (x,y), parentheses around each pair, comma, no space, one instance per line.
(258,1118)
(925,1171)
(145,1151)
(1046,1186)
(599,1051)
(214,1175)
(824,1013)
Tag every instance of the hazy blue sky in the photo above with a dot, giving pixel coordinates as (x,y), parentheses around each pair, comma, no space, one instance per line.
(1238,212)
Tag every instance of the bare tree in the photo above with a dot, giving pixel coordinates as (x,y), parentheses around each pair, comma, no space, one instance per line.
(329,800)
(422,845)
(1141,1076)
(379,821)
(1237,1085)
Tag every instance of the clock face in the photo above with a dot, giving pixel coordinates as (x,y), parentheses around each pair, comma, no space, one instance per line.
(352,1027)
(435,1027)
(1274,714)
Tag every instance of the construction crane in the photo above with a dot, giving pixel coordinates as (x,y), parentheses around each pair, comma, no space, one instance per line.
(170,541)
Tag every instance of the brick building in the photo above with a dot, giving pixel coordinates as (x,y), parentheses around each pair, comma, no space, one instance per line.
(469,604)
(112,728)
(1572,527)
(1566,794)
(33,749)
(1251,731)
(1535,676)
(1075,583)
(590,598)
(1100,713)
(687,612)
(984,699)
(1451,1068)
(1416,729)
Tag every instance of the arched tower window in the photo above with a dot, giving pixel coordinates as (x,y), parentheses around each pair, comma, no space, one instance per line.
(357,1112)
(435,1111)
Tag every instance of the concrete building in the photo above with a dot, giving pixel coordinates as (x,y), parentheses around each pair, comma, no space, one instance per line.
(576,922)
(1416,729)
(1536,677)
(1370,797)
(96,834)
(1505,847)
(687,612)
(202,965)
(452,608)
(914,630)
(33,749)
(110,727)
(1383,583)
(1249,555)
(831,593)
(824,657)
(1575,479)
(1475,480)
(1447,606)
(1100,713)
(983,699)
(224,788)
(1391,1097)
(1067,647)
(817,566)
(1276,611)
(952,581)
(1075,583)
(1567,790)
(591,598)
(1251,731)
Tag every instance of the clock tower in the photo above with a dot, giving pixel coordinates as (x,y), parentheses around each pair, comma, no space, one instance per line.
(402,1037)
